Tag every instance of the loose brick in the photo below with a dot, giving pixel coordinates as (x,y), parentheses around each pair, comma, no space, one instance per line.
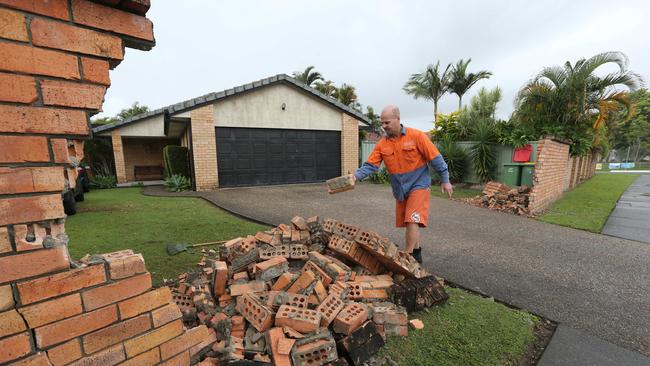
(107,294)
(362,344)
(60,283)
(39,359)
(145,302)
(126,266)
(330,308)
(220,277)
(153,338)
(72,94)
(183,342)
(273,338)
(257,314)
(416,324)
(24,149)
(37,61)
(73,327)
(70,38)
(306,279)
(299,251)
(51,8)
(302,320)
(28,180)
(250,287)
(6,298)
(11,323)
(17,88)
(282,250)
(284,281)
(271,268)
(95,71)
(24,119)
(110,19)
(33,263)
(299,223)
(149,358)
(350,318)
(5,244)
(319,349)
(115,333)
(51,311)
(107,357)
(14,347)
(65,353)
(182,359)
(165,315)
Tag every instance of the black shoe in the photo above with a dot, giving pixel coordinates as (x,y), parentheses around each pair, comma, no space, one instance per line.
(417,254)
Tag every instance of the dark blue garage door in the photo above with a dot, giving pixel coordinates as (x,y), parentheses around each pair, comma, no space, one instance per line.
(264,156)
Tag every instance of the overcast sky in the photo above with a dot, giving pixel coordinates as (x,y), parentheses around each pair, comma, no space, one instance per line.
(206,46)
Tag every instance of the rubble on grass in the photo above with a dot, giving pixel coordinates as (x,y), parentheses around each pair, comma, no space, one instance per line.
(499,197)
(308,293)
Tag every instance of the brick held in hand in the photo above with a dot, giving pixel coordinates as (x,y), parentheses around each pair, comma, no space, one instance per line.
(340,184)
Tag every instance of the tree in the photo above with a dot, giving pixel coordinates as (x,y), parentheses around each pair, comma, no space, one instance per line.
(308,76)
(572,102)
(375,122)
(347,95)
(633,134)
(461,81)
(432,84)
(326,87)
(135,109)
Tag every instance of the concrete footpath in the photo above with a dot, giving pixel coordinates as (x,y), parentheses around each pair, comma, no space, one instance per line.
(596,286)
(631,217)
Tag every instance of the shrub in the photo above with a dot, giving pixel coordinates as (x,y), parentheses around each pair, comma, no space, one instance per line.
(176,161)
(177,183)
(455,157)
(103,182)
(482,153)
(380,177)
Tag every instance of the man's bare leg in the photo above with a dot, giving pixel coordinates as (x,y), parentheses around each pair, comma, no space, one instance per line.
(412,236)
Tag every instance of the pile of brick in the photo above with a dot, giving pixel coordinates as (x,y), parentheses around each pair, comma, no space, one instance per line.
(303,294)
(499,197)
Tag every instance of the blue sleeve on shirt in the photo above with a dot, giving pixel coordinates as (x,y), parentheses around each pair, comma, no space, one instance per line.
(365,170)
(438,163)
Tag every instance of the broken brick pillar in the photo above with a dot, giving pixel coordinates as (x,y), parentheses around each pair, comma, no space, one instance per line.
(55,57)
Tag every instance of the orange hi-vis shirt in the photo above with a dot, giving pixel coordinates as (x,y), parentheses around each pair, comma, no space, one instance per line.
(407,158)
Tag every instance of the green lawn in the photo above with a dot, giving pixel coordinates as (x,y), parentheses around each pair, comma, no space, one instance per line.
(468,330)
(588,206)
(122,218)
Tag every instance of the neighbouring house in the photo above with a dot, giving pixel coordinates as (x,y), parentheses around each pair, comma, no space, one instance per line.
(273,131)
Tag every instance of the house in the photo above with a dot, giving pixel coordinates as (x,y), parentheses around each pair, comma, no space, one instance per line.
(273,131)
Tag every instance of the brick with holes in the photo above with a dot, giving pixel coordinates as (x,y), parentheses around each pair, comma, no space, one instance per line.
(330,308)
(302,320)
(274,337)
(316,350)
(340,184)
(275,299)
(416,294)
(250,287)
(300,223)
(298,251)
(264,237)
(320,274)
(284,281)
(282,250)
(306,280)
(350,318)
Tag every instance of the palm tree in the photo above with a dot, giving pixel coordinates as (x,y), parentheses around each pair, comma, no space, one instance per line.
(347,95)
(430,84)
(326,87)
(309,76)
(572,98)
(462,81)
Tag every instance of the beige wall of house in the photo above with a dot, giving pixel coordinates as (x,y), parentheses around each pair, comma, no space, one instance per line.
(150,127)
(263,109)
(143,152)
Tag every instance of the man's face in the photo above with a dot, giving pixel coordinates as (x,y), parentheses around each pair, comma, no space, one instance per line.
(390,124)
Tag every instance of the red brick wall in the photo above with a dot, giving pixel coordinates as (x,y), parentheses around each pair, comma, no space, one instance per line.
(55,57)
(549,179)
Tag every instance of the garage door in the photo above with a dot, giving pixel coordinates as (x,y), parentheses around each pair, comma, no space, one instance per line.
(262,156)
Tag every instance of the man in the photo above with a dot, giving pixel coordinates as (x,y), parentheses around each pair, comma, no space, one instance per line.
(407,154)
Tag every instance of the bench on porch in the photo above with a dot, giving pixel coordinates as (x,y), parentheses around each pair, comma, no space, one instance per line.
(148,172)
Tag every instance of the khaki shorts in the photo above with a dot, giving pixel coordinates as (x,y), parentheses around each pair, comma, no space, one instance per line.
(415,208)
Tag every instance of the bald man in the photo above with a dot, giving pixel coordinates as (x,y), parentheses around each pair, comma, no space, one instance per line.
(407,154)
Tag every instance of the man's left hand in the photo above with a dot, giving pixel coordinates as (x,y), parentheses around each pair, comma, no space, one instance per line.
(447,188)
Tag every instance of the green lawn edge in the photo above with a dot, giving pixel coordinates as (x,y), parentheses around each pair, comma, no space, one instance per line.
(587,206)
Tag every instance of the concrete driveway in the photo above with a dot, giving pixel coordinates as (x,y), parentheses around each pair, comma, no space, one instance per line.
(631,217)
(597,284)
